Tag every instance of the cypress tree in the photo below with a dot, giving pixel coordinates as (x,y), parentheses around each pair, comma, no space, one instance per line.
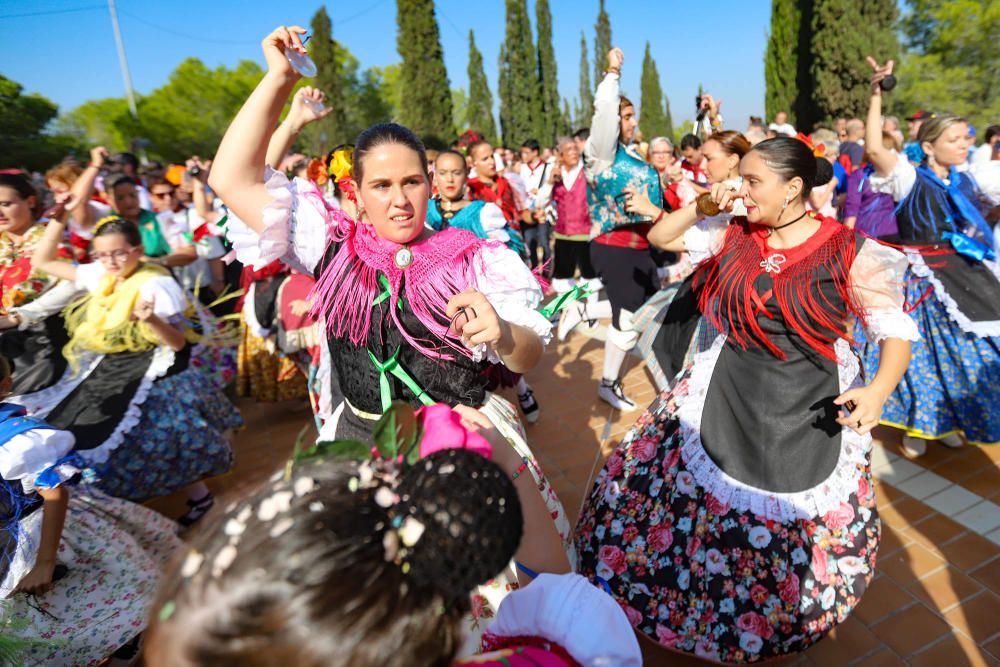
(549,118)
(602,43)
(668,120)
(520,96)
(844,31)
(781,59)
(585,112)
(329,78)
(565,120)
(652,122)
(426,95)
(479,112)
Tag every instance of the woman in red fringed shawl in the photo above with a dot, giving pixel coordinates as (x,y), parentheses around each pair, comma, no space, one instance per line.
(410,314)
(737,521)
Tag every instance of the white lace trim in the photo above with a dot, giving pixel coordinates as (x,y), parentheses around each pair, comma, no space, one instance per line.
(41,403)
(890,323)
(783,507)
(984,329)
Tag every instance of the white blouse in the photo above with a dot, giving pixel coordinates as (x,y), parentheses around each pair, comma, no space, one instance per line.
(27,455)
(295,231)
(165,293)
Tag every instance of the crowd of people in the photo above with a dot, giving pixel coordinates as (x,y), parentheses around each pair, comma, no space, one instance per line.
(788,291)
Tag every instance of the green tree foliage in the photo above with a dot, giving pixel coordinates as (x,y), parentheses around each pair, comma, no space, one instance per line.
(98,123)
(602,42)
(549,119)
(24,120)
(781,59)
(653,121)
(330,76)
(951,65)
(479,112)
(503,91)
(520,97)
(844,31)
(585,111)
(459,106)
(668,119)
(424,84)
(687,127)
(565,120)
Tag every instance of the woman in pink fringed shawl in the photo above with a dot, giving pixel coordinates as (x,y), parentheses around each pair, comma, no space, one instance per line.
(411,314)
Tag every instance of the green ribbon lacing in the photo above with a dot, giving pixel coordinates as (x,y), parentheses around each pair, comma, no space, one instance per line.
(561,302)
(391,365)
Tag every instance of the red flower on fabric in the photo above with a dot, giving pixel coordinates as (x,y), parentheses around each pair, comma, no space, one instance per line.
(840,517)
(755,623)
(660,537)
(819,564)
(634,617)
(613,557)
(759,594)
(864,488)
(615,464)
(692,547)
(643,450)
(671,459)
(666,636)
(715,506)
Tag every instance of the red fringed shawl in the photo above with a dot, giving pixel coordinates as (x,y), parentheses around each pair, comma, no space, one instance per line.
(728,298)
(503,197)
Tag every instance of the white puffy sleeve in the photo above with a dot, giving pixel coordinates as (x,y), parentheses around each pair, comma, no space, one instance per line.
(569,611)
(704,238)
(512,290)
(599,151)
(88,276)
(899,183)
(167,297)
(27,455)
(493,222)
(295,226)
(877,278)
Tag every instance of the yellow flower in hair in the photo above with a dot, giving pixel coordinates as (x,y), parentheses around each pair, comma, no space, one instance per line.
(342,163)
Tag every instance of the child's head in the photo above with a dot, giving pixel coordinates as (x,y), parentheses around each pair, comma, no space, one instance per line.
(117,245)
(342,564)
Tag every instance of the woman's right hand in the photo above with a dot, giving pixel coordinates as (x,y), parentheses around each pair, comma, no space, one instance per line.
(504,455)
(615,59)
(278,43)
(98,156)
(724,196)
(303,112)
(638,203)
(880,72)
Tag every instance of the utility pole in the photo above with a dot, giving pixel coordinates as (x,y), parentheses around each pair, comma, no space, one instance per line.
(122,60)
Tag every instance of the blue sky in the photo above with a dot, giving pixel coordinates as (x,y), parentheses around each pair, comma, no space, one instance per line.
(65,49)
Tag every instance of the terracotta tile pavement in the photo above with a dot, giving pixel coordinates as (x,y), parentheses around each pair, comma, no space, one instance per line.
(936,597)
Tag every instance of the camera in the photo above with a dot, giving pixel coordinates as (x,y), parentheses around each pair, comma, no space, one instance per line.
(699,108)
(194,171)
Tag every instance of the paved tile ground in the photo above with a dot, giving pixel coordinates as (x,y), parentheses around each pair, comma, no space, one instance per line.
(936,596)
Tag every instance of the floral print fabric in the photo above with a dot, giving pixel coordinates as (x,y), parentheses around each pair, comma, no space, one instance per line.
(696,575)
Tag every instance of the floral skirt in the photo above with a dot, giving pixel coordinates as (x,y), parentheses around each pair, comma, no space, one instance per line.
(263,373)
(953,381)
(700,577)
(114,552)
(180,439)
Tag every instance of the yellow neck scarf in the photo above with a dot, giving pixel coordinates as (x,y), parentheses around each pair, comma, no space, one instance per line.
(102,321)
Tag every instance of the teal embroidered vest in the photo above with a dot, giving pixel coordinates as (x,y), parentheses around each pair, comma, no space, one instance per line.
(606,200)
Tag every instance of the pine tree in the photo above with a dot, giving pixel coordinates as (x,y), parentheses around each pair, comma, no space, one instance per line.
(426,95)
(329,78)
(479,112)
(547,79)
(602,43)
(668,120)
(585,110)
(844,31)
(652,122)
(519,98)
(781,59)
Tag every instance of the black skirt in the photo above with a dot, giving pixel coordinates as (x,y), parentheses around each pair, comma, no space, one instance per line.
(36,354)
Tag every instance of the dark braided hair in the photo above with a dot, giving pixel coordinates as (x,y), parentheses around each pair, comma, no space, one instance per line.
(319,570)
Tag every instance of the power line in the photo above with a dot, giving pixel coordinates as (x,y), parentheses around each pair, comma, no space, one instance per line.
(51,11)
(178,33)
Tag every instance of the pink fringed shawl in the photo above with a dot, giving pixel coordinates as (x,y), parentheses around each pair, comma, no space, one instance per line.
(442,267)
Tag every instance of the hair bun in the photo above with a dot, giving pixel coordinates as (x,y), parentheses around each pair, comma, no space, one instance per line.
(824,172)
(471,519)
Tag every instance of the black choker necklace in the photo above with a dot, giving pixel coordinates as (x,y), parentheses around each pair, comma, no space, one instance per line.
(787,224)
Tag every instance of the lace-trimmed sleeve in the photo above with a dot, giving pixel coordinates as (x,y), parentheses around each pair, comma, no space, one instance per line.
(704,238)
(899,183)
(877,277)
(512,290)
(295,226)
(27,455)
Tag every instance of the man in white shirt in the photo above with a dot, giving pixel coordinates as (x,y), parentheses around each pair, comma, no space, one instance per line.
(984,153)
(534,226)
(781,125)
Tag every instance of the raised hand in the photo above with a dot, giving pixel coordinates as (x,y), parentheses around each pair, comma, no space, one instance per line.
(277,44)
(615,59)
(307,106)
(879,72)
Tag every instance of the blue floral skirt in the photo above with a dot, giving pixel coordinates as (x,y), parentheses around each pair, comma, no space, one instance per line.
(953,382)
(700,577)
(180,439)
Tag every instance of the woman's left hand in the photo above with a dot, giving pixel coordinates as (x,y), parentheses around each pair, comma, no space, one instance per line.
(639,203)
(867,408)
(475,319)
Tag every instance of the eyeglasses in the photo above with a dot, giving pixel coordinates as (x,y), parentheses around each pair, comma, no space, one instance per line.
(116,255)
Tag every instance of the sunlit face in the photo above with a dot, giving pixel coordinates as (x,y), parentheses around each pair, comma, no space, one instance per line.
(450,176)
(692,155)
(719,165)
(764,191)
(483,162)
(394,192)
(125,200)
(660,156)
(163,197)
(528,155)
(628,124)
(15,213)
(569,154)
(952,147)
(781,118)
(116,254)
